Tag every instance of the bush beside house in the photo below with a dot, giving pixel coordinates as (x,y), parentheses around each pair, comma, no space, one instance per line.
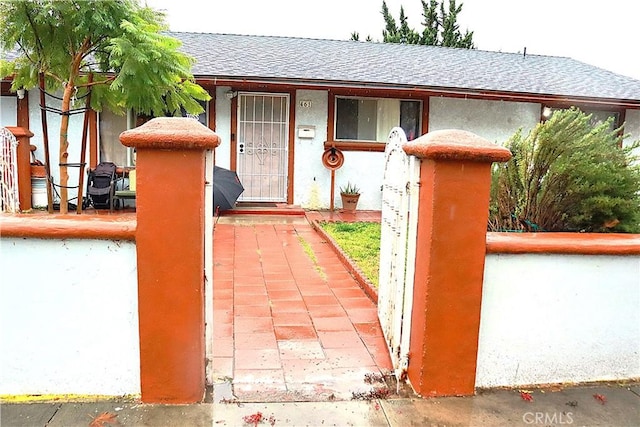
(567,174)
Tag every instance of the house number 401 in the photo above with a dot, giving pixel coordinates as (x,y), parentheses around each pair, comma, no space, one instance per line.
(305,104)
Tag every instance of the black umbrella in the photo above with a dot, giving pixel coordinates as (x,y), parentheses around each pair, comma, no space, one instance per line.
(226,188)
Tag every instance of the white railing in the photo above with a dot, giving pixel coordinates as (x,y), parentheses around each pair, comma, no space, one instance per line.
(9,199)
(397,247)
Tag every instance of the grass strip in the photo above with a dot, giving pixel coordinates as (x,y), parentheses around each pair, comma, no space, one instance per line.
(360,241)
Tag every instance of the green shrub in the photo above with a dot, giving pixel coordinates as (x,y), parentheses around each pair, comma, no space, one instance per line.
(567,175)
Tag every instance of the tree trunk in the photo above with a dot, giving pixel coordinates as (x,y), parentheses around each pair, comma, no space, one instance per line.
(64,145)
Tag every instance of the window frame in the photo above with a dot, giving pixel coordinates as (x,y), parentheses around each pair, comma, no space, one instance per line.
(370,98)
(361,145)
(130,124)
(546,109)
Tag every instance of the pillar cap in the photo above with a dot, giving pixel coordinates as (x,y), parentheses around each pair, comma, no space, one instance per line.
(171,133)
(18,131)
(452,144)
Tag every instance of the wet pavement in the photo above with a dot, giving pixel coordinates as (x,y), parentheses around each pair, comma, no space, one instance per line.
(611,405)
(290,321)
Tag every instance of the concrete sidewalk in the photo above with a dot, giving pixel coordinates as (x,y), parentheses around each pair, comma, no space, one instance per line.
(596,405)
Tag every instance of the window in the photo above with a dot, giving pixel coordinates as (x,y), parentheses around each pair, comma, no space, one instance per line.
(111,125)
(371,119)
(202,117)
(597,116)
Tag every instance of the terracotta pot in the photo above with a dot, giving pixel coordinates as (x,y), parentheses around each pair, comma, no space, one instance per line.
(349,201)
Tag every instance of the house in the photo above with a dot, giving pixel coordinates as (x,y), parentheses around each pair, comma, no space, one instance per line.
(279,102)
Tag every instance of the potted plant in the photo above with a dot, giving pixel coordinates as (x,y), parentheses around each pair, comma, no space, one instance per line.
(350,195)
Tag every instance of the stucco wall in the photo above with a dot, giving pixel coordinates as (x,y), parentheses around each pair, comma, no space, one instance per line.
(364,169)
(493,120)
(559,318)
(223,127)
(69,317)
(312,180)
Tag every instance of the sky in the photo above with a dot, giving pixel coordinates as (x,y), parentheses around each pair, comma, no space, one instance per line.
(601,33)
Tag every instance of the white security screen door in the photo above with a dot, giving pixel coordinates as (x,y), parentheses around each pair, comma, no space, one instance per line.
(262,148)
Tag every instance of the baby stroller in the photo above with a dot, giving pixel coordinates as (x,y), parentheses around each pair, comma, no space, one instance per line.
(101,185)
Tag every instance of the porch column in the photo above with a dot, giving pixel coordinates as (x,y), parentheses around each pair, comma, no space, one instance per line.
(455,179)
(23,154)
(170,210)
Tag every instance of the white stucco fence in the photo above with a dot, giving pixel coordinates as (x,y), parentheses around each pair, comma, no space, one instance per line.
(69,317)
(553,318)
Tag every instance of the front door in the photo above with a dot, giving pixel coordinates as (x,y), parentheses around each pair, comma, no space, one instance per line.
(262,148)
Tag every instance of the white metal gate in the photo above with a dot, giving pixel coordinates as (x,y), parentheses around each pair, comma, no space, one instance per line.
(398,247)
(9,199)
(263,146)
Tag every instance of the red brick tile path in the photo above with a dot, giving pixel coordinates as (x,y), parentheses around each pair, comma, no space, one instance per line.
(290,325)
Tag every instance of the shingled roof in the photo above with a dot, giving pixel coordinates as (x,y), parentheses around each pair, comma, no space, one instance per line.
(342,62)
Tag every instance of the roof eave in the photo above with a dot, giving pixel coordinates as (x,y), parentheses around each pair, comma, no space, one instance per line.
(426,90)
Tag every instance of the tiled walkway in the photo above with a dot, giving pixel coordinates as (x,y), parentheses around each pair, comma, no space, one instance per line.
(290,323)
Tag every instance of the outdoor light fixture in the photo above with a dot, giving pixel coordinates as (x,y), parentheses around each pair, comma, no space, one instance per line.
(546,112)
(230,94)
(20,92)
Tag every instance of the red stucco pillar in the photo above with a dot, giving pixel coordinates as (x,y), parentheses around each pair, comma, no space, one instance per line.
(455,178)
(24,165)
(170,201)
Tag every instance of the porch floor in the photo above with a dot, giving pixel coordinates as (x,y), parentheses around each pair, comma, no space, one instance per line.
(290,322)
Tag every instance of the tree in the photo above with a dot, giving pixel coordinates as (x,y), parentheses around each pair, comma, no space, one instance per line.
(394,34)
(567,174)
(440,26)
(355,36)
(113,48)
(430,31)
